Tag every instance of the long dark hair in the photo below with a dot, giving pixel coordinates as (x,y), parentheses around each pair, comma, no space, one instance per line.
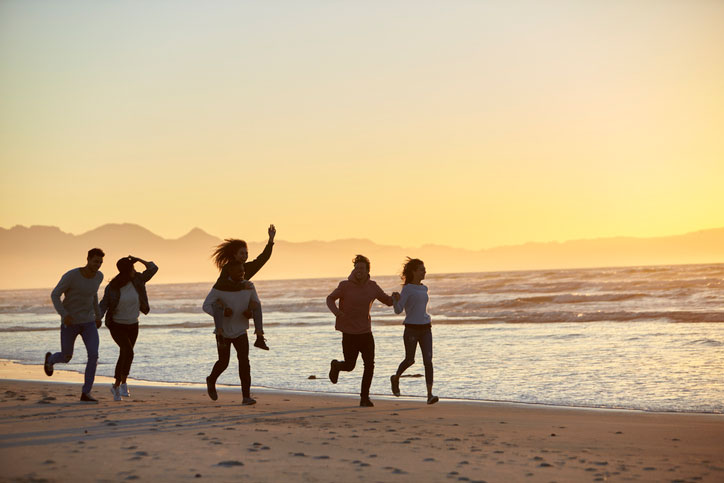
(226,251)
(411,264)
(125,273)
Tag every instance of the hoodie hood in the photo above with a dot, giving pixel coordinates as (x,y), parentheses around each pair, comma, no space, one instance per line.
(352,279)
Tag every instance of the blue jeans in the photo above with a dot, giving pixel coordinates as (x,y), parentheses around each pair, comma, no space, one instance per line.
(68,334)
(412,337)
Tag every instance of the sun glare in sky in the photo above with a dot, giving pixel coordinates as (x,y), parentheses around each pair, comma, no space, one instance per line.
(470,124)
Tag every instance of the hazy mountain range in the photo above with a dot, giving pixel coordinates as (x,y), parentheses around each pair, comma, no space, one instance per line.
(37,256)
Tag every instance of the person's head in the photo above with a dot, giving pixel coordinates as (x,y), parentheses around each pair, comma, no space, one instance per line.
(231,249)
(235,269)
(125,266)
(361,268)
(94,259)
(126,272)
(413,271)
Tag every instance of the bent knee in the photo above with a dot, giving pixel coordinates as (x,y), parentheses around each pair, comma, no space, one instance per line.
(67,357)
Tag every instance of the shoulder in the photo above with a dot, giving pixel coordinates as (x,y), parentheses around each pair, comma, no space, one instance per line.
(372,284)
(73,272)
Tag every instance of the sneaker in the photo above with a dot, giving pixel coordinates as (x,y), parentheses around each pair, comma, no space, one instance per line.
(88,398)
(366,403)
(334,371)
(432,399)
(116,391)
(261,343)
(211,389)
(248,401)
(395,382)
(124,390)
(47,366)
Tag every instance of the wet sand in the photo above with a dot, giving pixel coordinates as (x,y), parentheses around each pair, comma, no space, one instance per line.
(178,433)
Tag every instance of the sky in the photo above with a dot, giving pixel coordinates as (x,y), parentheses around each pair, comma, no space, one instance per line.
(471,124)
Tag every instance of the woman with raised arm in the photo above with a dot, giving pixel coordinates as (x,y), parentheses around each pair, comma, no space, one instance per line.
(124,299)
(232,250)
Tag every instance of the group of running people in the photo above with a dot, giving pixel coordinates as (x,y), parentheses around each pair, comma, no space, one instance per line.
(232,302)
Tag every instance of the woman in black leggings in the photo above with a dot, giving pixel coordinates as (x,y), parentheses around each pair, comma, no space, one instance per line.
(418,330)
(123,300)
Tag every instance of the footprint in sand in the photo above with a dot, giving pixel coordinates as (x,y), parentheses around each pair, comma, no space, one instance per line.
(230,463)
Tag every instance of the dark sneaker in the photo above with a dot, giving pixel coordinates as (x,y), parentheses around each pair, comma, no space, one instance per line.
(395,382)
(432,399)
(366,403)
(88,398)
(48,368)
(211,389)
(261,343)
(248,401)
(334,371)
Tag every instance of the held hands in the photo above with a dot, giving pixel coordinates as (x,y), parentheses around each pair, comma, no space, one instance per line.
(395,296)
(272,233)
(99,322)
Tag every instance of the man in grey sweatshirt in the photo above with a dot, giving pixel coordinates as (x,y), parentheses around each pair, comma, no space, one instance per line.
(80,315)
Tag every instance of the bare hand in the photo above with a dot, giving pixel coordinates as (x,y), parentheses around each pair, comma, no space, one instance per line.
(99,322)
(68,320)
(228,312)
(272,232)
(395,296)
(340,314)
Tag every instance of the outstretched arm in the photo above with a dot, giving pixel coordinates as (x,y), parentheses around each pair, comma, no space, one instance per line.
(250,268)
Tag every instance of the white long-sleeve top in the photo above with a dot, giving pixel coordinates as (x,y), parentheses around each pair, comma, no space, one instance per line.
(238,302)
(413,299)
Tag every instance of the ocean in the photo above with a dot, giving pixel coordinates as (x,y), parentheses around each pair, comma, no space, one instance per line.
(644,338)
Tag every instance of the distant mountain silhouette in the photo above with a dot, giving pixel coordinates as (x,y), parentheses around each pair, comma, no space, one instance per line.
(37,256)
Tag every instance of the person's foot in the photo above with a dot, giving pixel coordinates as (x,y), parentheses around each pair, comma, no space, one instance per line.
(124,390)
(211,389)
(395,382)
(116,391)
(88,398)
(334,371)
(47,366)
(432,399)
(261,343)
(366,403)
(248,401)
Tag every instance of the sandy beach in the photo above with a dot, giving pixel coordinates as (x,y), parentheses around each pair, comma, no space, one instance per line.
(177,433)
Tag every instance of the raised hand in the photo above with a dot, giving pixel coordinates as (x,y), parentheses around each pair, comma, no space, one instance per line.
(272,232)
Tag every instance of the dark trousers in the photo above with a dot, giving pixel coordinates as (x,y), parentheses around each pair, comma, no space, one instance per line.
(125,336)
(352,346)
(412,337)
(241,344)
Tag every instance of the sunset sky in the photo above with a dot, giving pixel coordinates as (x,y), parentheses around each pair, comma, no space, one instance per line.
(465,123)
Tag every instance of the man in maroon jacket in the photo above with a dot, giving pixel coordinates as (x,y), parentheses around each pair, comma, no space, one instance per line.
(356,295)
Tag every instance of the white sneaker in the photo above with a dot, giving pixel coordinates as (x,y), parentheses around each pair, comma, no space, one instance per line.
(124,390)
(116,393)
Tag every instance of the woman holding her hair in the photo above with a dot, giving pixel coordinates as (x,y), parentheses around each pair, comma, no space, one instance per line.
(123,300)
(413,300)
